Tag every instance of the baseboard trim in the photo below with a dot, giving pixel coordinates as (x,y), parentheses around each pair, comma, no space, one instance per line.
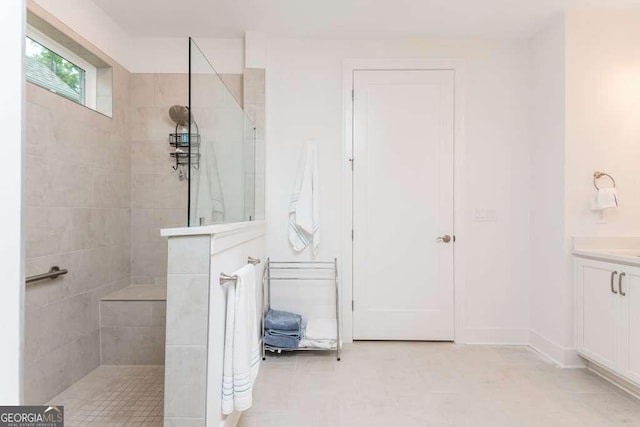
(614,379)
(496,336)
(562,356)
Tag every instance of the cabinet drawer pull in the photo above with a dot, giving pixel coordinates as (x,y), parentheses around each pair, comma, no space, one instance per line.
(620,284)
(613,289)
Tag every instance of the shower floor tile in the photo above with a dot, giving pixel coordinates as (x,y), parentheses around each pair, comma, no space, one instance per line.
(115,396)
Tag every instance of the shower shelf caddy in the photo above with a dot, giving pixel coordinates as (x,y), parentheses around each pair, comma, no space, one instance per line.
(300,271)
(180,141)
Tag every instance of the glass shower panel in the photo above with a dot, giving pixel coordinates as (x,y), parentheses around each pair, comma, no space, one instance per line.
(222,184)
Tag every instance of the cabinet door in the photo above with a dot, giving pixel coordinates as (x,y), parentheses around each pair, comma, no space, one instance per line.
(630,325)
(597,312)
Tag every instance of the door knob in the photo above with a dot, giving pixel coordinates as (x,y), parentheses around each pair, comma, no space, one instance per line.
(446,238)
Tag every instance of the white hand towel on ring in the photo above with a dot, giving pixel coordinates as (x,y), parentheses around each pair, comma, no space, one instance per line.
(605,198)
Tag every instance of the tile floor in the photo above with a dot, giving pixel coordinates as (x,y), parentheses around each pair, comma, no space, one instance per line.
(432,384)
(114,396)
(379,384)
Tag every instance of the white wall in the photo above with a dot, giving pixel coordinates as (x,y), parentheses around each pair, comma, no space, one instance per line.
(171,55)
(12,22)
(304,100)
(603,117)
(88,20)
(550,267)
(143,55)
(585,117)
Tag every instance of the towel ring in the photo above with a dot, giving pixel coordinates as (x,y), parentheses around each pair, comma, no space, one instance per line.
(598,175)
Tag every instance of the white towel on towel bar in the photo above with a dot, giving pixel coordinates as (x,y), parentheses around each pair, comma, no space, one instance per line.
(304,211)
(241,343)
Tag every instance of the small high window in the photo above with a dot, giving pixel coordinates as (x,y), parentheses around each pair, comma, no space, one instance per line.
(63,65)
(46,68)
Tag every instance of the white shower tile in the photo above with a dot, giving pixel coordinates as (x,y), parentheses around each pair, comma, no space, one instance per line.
(189,255)
(149,259)
(188,313)
(152,158)
(185,382)
(151,124)
(126,313)
(171,89)
(234,83)
(142,90)
(254,86)
(119,263)
(184,422)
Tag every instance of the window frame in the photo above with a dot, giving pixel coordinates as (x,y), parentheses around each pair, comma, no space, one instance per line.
(90,70)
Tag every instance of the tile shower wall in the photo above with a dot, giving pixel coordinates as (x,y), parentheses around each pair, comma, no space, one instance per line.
(158,198)
(132,332)
(77,210)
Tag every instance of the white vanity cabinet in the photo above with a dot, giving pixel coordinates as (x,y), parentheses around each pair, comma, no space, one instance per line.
(608,315)
(630,331)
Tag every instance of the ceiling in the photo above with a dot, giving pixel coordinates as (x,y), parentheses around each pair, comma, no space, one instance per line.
(335,19)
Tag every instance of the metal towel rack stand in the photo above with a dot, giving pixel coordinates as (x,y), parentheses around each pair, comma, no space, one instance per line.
(53,273)
(227,278)
(301,271)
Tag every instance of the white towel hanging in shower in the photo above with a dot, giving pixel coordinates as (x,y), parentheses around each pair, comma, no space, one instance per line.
(304,211)
(208,190)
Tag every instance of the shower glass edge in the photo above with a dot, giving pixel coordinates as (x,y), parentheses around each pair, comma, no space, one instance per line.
(222,147)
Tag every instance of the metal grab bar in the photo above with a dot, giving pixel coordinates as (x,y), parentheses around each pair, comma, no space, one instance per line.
(226,278)
(53,273)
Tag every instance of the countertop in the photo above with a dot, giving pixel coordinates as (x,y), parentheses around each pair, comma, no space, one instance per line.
(211,229)
(622,250)
(620,256)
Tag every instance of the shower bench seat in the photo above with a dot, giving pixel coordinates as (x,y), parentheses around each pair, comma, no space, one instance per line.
(138,293)
(132,325)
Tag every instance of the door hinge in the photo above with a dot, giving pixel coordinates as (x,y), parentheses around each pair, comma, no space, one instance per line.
(352,160)
(352,234)
(352,305)
(353,94)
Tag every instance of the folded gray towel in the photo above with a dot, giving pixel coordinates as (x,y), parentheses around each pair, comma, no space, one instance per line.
(277,332)
(282,321)
(281,341)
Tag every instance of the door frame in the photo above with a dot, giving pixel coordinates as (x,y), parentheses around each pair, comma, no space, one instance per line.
(349,66)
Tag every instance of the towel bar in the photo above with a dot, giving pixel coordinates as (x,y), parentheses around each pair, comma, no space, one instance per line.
(227,278)
(598,175)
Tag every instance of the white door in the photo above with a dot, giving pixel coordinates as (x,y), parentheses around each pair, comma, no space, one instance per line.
(598,312)
(629,293)
(403,122)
